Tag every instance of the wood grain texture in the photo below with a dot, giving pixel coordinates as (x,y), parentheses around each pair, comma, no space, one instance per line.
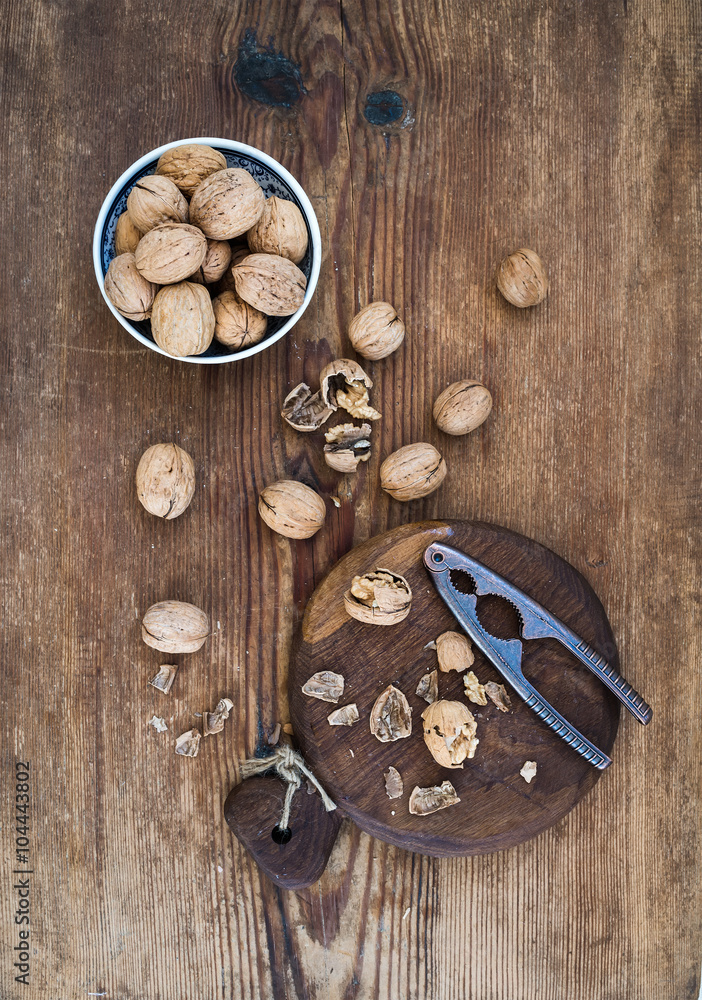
(570,128)
(498,809)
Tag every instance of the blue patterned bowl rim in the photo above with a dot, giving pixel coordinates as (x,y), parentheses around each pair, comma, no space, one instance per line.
(274,179)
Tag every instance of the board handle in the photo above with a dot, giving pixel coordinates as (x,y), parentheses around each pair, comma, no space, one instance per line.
(293,859)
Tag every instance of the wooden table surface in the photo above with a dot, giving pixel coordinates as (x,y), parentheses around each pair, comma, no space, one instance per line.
(572,128)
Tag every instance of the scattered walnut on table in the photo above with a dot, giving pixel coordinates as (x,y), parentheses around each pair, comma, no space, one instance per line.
(522,278)
(347,715)
(394,785)
(391,716)
(473,689)
(412,472)
(292,509)
(175,627)
(497,693)
(380,597)
(429,800)
(325,685)
(449,733)
(428,687)
(376,331)
(462,407)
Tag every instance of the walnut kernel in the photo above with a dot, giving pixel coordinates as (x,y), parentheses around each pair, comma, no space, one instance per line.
(449,732)
(380,597)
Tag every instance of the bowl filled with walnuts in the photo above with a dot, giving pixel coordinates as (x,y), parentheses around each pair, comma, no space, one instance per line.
(207,250)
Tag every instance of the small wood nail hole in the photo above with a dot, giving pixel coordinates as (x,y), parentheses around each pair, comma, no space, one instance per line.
(281,836)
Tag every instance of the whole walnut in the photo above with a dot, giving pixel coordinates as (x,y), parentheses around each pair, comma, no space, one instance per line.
(376,331)
(165,480)
(188,165)
(273,285)
(217,260)
(175,627)
(170,253)
(462,407)
(129,292)
(154,200)
(292,509)
(237,324)
(413,471)
(522,278)
(227,203)
(280,230)
(182,320)
(127,235)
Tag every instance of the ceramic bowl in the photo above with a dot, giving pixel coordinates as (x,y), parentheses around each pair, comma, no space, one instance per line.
(273,178)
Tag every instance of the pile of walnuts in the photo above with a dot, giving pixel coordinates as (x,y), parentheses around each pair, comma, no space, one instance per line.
(203,254)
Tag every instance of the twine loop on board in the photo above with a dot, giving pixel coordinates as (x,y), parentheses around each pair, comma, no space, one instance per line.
(289,765)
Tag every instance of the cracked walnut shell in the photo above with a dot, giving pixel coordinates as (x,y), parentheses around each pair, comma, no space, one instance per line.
(237,324)
(170,253)
(376,331)
(346,446)
(325,685)
(304,410)
(227,203)
(292,509)
(462,407)
(380,597)
(175,627)
(345,384)
(429,800)
(449,732)
(165,480)
(413,471)
(188,165)
(281,230)
(213,722)
(128,291)
(272,284)
(347,715)
(394,785)
(391,716)
(454,652)
(522,278)
(154,200)
(182,319)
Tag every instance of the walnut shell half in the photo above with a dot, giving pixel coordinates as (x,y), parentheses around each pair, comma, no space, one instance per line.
(454,652)
(154,200)
(165,480)
(429,800)
(391,716)
(128,291)
(413,471)
(380,597)
(346,446)
(182,319)
(449,732)
(170,253)
(376,331)
(227,203)
(188,165)
(281,230)
(325,685)
(292,509)
(304,410)
(175,627)
(272,284)
(344,383)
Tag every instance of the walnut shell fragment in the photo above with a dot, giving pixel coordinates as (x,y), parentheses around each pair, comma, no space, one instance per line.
(188,165)
(376,331)
(165,480)
(391,716)
(128,291)
(163,681)
(154,200)
(237,324)
(449,732)
(213,722)
(272,284)
(462,407)
(325,685)
(522,278)
(429,800)
(413,471)
(159,724)
(304,410)
(281,230)
(454,652)
(292,509)
(227,203)
(394,785)
(497,693)
(175,627)
(127,235)
(170,253)
(188,744)
(347,445)
(528,772)
(347,715)
(380,597)
(345,384)
(473,689)
(428,687)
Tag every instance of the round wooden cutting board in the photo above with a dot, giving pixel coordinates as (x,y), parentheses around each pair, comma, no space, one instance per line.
(498,809)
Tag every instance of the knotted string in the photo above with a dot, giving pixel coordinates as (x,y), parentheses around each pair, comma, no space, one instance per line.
(289,765)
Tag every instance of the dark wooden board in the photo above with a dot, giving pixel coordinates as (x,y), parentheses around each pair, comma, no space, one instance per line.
(498,809)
